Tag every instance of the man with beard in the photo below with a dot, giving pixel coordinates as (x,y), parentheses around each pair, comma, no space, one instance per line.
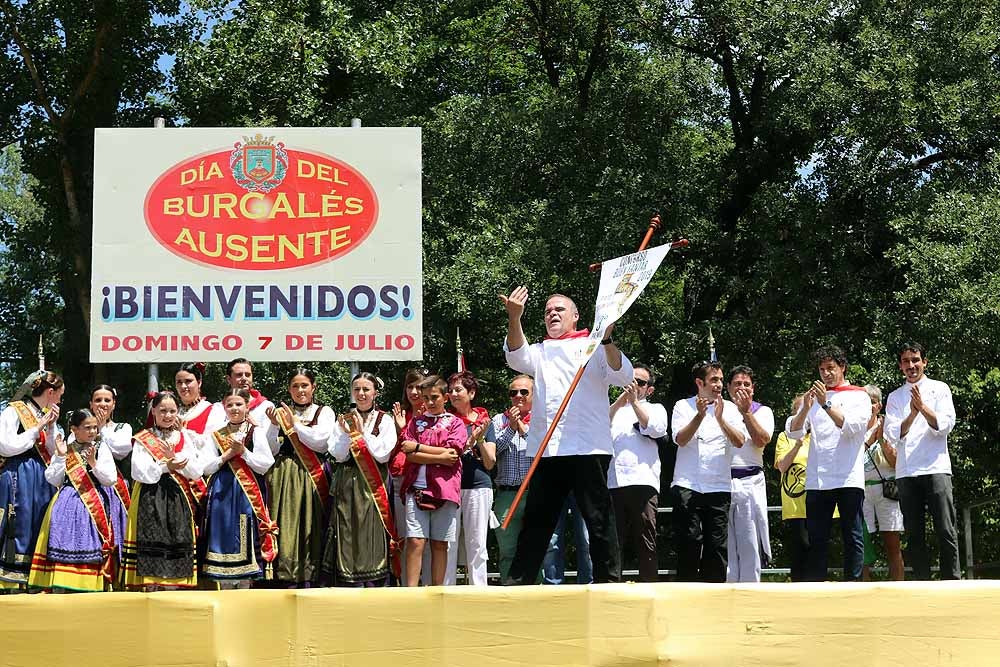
(705,428)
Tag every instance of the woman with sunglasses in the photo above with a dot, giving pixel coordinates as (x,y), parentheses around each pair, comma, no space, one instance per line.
(478,460)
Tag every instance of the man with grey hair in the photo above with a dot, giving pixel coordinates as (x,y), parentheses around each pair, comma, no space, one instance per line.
(580,450)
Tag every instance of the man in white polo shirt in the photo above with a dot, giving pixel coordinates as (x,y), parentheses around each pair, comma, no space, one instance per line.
(579,452)
(918,418)
(836,413)
(634,474)
(749,532)
(704,427)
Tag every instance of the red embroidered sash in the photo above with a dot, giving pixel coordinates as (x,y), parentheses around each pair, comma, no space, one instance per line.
(194,489)
(308,457)
(376,486)
(121,490)
(248,482)
(29,420)
(76,470)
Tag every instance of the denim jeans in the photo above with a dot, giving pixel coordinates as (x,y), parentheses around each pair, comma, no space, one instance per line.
(554,565)
(819,523)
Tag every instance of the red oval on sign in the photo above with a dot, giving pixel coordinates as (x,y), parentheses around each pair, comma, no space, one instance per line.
(261,207)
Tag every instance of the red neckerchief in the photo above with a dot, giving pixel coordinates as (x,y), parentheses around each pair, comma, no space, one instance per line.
(256,398)
(478,416)
(582,333)
(846,387)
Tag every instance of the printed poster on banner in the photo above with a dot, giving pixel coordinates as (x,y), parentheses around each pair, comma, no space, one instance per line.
(274,244)
(622,281)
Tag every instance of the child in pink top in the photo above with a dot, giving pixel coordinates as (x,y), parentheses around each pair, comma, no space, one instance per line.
(431,488)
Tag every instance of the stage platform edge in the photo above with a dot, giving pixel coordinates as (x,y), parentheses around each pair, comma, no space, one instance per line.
(939,623)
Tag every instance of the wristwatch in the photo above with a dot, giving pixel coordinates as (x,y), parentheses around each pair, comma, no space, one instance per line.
(827,405)
(606,341)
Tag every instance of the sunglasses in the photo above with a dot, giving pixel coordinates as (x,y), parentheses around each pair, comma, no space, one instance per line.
(522,392)
(641,383)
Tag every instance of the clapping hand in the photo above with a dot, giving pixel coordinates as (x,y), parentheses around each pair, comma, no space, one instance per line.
(743,400)
(916,400)
(818,391)
(701,405)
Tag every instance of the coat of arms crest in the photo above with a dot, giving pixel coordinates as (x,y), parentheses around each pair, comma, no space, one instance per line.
(258,163)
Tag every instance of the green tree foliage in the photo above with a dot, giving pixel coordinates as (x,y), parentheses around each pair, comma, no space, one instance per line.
(833,164)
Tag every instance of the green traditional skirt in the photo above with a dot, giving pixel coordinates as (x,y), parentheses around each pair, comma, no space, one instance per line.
(357,546)
(298,510)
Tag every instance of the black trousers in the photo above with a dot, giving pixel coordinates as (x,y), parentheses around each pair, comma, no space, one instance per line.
(798,547)
(701,534)
(917,496)
(635,517)
(554,478)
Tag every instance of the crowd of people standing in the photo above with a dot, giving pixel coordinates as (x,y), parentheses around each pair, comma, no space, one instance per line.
(246,492)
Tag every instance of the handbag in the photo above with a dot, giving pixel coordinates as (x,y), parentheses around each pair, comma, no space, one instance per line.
(427,502)
(889,489)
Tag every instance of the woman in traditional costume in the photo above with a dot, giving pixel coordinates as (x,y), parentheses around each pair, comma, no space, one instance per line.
(298,483)
(193,409)
(116,435)
(362,542)
(79,545)
(160,537)
(27,442)
(239,540)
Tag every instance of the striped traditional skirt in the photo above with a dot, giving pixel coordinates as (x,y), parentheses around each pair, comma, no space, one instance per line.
(25,497)
(159,544)
(68,552)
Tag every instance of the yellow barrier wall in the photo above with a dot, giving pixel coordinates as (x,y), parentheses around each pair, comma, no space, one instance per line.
(841,625)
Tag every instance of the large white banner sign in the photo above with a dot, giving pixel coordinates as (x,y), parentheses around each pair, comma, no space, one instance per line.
(275,244)
(622,281)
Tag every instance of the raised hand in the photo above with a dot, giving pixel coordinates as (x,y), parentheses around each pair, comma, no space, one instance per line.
(102,413)
(272,415)
(701,405)
(175,464)
(720,406)
(514,304)
(818,391)
(61,447)
(916,400)
(742,400)
(399,416)
(90,454)
(49,417)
